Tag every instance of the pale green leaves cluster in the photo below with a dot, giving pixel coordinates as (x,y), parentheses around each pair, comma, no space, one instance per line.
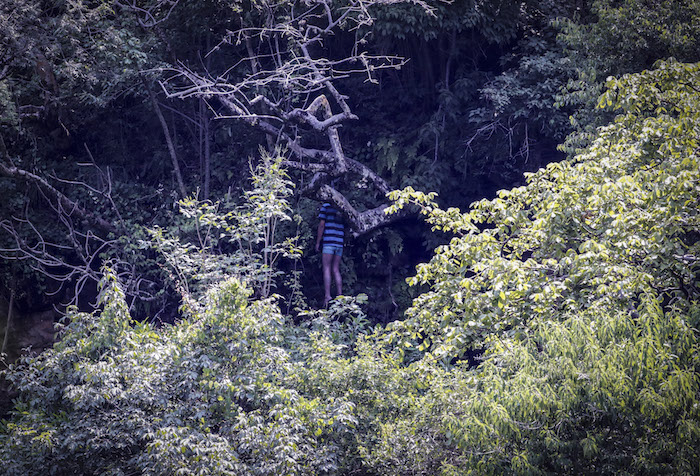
(245,242)
(594,392)
(580,290)
(238,390)
(618,221)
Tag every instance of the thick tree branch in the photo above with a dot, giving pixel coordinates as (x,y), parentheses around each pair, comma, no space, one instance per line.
(360,222)
(367,174)
(290,91)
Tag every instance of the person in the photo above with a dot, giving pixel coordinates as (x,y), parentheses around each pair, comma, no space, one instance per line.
(331,232)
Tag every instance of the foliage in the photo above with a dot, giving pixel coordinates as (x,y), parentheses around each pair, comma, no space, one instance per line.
(473,108)
(621,37)
(496,21)
(580,288)
(69,53)
(612,224)
(234,390)
(245,242)
(591,392)
(417,122)
(629,35)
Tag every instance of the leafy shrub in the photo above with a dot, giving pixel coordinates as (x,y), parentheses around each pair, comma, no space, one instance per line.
(216,242)
(580,288)
(206,396)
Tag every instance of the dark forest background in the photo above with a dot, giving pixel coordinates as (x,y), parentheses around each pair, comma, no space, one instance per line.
(95,152)
(176,143)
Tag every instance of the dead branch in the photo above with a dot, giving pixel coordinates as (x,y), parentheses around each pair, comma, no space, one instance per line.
(77,259)
(73,265)
(61,201)
(289,91)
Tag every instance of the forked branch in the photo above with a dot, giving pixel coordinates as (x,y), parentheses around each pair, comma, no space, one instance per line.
(287,87)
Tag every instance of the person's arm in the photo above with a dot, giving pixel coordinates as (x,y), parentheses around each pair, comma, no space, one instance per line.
(319,234)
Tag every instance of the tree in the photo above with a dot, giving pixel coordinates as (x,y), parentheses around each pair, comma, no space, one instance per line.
(287,87)
(615,223)
(243,239)
(78,113)
(580,287)
(147,151)
(61,217)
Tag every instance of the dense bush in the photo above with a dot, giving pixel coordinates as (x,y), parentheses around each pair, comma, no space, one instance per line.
(580,290)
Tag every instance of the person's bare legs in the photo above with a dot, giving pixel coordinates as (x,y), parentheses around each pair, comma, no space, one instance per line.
(327,261)
(336,275)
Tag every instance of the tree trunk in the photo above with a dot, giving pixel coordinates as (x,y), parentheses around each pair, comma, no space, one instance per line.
(206,125)
(168,139)
(9,321)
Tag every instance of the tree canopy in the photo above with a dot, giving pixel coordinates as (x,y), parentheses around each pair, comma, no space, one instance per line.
(521,181)
(578,288)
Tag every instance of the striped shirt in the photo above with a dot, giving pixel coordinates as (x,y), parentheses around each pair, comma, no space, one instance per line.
(334,229)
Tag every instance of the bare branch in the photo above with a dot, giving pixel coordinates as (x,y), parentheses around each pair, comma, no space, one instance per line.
(61,200)
(314,168)
(77,261)
(70,267)
(289,90)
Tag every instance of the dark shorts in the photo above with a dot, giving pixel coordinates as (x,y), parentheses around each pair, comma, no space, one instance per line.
(333,250)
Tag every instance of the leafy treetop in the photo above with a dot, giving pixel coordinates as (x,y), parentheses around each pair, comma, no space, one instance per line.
(614,223)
